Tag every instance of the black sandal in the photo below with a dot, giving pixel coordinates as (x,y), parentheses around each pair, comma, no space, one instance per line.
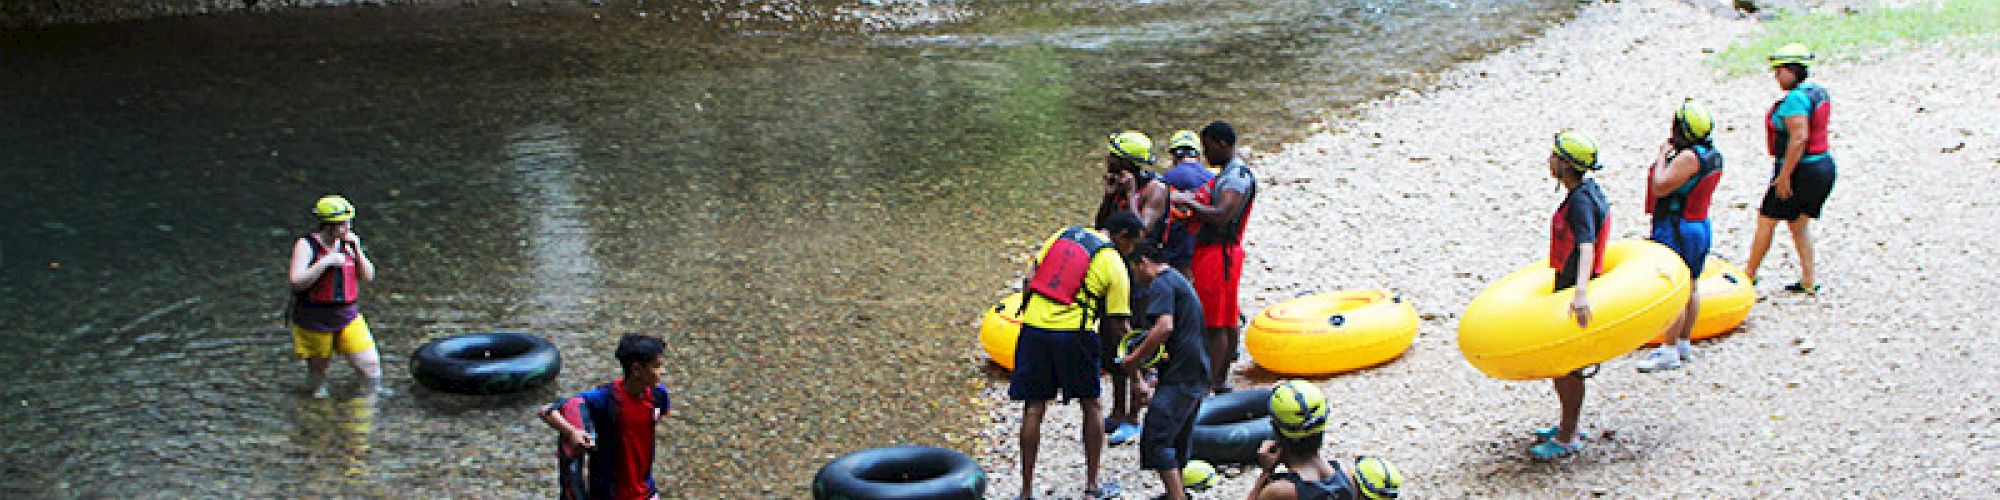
(1801,288)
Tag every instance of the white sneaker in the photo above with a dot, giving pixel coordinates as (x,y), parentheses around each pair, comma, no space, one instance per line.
(1664,358)
(1686,352)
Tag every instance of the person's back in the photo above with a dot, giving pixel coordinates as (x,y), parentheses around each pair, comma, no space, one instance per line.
(1079,280)
(1306,482)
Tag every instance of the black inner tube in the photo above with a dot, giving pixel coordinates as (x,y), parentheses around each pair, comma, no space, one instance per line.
(488,348)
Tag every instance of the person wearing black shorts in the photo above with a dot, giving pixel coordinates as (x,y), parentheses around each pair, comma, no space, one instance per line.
(1802,170)
(1058,352)
(1174,316)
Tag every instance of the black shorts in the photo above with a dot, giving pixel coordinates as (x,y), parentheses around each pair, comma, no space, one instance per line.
(1166,438)
(1811,182)
(1049,361)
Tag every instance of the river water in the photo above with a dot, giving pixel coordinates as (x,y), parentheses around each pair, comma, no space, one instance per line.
(809,201)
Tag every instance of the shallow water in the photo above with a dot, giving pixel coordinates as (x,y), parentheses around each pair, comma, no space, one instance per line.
(810,204)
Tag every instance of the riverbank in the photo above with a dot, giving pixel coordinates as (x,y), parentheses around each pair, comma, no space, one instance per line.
(1873,388)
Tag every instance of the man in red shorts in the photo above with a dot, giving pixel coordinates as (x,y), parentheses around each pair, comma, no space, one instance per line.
(1218,246)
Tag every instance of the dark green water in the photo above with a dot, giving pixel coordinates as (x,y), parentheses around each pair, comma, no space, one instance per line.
(810,211)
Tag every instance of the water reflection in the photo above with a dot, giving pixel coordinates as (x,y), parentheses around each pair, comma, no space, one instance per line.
(559,238)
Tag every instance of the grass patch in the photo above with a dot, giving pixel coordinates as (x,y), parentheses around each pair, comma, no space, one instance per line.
(1836,36)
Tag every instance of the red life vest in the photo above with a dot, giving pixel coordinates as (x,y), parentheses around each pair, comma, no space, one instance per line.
(1822,112)
(1562,243)
(1059,275)
(1064,266)
(339,285)
(1691,200)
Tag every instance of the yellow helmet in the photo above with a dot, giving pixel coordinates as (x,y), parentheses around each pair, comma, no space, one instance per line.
(1132,146)
(1377,478)
(333,209)
(1693,121)
(1577,149)
(1791,53)
(1132,340)
(1184,139)
(1298,409)
(1198,475)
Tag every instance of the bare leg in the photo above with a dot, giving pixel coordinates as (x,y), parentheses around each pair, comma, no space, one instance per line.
(316,375)
(1569,390)
(1802,240)
(1093,439)
(1120,410)
(1688,316)
(1031,442)
(1759,245)
(369,364)
(1172,478)
(1218,340)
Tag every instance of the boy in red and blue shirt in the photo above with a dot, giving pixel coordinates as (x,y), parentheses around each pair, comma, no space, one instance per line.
(626,411)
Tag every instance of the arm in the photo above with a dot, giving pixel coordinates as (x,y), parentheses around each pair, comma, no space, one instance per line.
(552,415)
(1162,328)
(1795,147)
(1151,203)
(304,270)
(366,268)
(1226,204)
(1586,261)
(1114,184)
(1668,177)
(1267,459)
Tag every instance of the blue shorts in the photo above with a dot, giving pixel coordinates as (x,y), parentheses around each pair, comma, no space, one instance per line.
(1691,243)
(1046,361)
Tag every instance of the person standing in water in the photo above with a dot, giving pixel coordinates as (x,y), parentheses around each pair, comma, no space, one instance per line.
(328,267)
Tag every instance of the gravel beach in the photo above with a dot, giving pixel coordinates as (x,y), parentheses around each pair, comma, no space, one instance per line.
(1872,389)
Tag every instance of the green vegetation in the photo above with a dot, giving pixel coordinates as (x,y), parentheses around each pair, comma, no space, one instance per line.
(1841,35)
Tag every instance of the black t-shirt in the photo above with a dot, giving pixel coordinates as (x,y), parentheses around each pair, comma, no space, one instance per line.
(1170,294)
(1580,220)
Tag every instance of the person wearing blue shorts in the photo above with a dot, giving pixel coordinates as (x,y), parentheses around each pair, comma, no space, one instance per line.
(1679,186)
(1078,284)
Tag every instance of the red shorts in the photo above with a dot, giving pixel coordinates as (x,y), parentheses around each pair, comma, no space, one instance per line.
(1217,270)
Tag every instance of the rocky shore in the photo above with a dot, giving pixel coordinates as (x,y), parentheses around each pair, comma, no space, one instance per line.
(1877,388)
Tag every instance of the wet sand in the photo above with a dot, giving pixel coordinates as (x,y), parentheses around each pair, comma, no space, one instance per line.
(1875,388)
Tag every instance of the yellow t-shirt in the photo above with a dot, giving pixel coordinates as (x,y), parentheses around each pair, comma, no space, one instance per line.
(1105,280)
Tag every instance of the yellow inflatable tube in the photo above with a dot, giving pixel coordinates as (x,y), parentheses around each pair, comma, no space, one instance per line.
(1517,329)
(1725,294)
(1331,332)
(1001,329)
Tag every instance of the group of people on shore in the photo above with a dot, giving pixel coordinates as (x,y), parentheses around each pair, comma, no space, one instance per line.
(1679,185)
(1080,301)
(1149,292)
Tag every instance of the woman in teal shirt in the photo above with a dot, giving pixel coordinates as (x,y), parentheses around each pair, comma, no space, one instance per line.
(1803,171)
